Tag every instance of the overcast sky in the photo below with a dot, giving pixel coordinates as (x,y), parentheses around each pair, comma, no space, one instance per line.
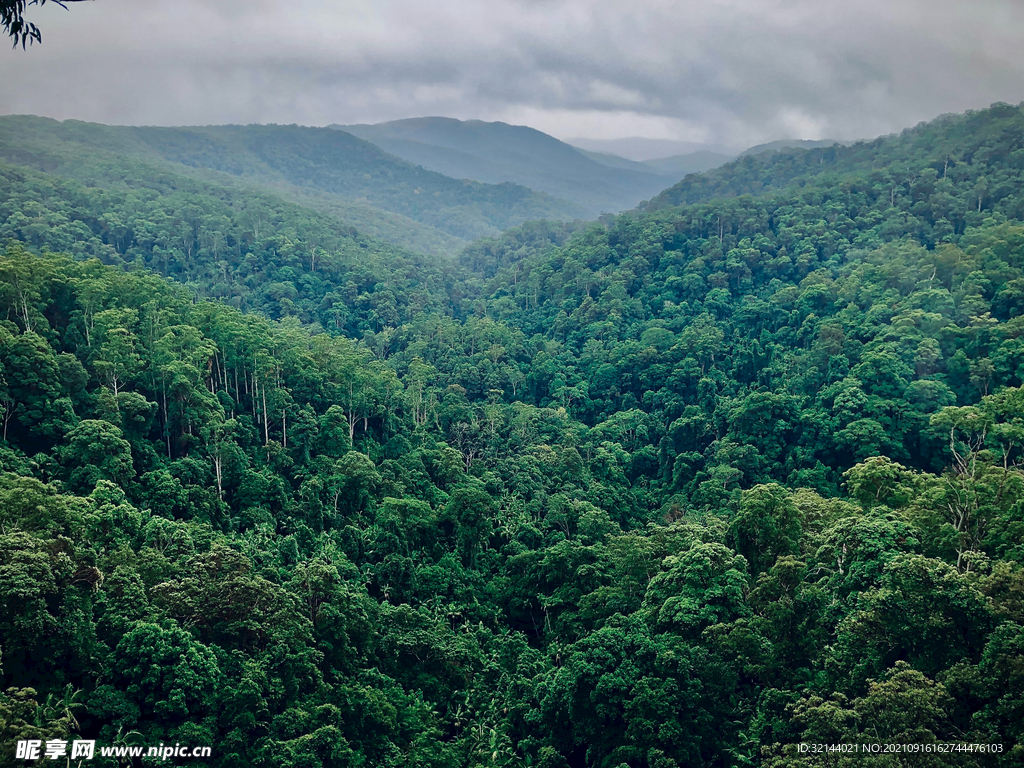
(732,72)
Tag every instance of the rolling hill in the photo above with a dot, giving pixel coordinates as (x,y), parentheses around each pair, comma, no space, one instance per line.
(498,152)
(330,170)
(951,145)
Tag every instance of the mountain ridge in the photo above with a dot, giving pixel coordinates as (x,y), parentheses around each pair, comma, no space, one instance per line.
(494,152)
(339,170)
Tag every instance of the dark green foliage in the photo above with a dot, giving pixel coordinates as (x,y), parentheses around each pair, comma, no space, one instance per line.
(12,18)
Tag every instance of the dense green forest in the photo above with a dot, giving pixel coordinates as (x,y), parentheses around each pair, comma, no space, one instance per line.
(688,486)
(254,251)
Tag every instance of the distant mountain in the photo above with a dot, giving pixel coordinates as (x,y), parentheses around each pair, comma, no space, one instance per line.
(673,168)
(615,153)
(497,152)
(678,166)
(642,149)
(614,161)
(330,170)
(775,146)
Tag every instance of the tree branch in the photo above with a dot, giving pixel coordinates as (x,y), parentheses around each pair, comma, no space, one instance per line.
(12,17)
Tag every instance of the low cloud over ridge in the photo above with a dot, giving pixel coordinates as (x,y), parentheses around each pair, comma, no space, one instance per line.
(733,72)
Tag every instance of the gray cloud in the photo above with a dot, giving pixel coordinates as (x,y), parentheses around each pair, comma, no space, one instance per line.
(734,72)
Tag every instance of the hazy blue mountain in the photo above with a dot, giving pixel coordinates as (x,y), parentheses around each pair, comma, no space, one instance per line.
(674,167)
(615,161)
(332,170)
(642,149)
(678,166)
(498,152)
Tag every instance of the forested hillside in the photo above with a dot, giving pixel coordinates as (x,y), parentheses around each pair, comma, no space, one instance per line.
(330,170)
(776,146)
(683,487)
(498,152)
(253,251)
(973,158)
